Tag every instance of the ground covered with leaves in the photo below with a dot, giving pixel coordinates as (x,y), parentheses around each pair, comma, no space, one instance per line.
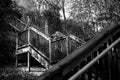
(17,73)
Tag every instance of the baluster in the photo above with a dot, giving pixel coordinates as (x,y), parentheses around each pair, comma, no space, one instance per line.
(83,76)
(86,73)
(67,45)
(109,60)
(115,55)
(29,61)
(97,65)
(118,60)
(114,60)
(50,51)
(94,67)
(89,58)
(105,63)
(100,66)
(103,67)
(16,49)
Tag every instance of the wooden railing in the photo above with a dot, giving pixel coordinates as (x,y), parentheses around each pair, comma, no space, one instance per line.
(98,59)
(36,44)
(40,41)
(58,50)
(23,38)
(74,43)
(39,57)
(17,24)
(53,50)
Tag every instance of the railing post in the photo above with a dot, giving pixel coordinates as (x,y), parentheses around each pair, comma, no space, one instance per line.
(28,36)
(50,50)
(67,45)
(109,62)
(16,49)
(29,61)
(90,70)
(16,61)
(98,63)
(114,63)
(29,54)
(119,66)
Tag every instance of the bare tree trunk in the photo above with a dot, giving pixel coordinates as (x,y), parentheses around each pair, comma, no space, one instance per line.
(63,9)
(46,27)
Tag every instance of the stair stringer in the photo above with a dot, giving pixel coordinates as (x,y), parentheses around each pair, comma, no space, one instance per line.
(38,57)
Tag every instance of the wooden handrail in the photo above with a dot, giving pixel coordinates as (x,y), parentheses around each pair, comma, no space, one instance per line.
(91,63)
(67,64)
(40,33)
(76,39)
(14,27)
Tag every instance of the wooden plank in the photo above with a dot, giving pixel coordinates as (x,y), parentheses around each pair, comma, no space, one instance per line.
(16,61)
(23,50)
(40,33)
(29,61)
(50,52)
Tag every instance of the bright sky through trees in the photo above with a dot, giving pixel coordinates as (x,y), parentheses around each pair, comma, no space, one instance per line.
(26,4)
(97,11)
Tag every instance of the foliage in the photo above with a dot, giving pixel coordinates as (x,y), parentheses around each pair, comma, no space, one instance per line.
(93,16)
(53,18)
(92,10)
(81,30)
(13,73)
(7,36)
(97,14)
(38,15)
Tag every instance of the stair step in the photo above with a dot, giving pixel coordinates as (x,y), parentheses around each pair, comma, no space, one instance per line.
(35,69)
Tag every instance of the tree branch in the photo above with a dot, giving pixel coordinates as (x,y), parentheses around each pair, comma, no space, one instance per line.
(116,14)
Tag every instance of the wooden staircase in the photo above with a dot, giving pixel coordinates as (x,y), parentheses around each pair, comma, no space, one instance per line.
(27,42)
(44,49)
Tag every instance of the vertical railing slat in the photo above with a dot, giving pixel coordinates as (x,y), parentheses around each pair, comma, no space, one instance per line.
(16,49)
(94,60)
